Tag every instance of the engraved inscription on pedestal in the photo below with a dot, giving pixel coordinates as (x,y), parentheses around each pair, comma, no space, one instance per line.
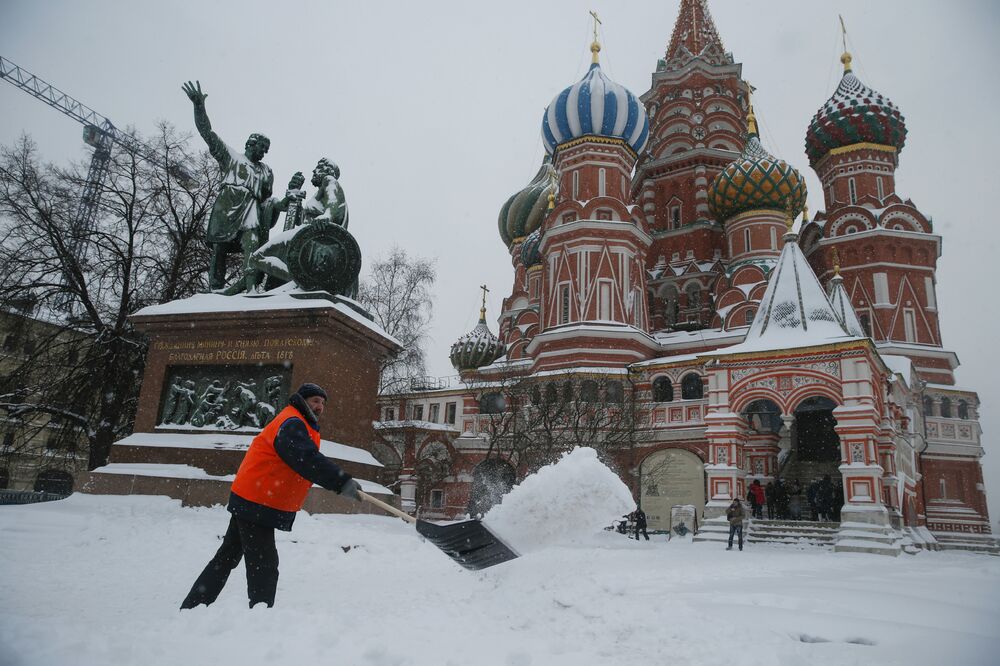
(223,397)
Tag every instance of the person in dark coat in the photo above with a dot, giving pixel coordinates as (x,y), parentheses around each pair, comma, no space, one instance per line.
(824,498)
(757,499)
(769,497)
(781,499)
(734,514)
(639,516)
(811,497)
(280,466)
(838,501)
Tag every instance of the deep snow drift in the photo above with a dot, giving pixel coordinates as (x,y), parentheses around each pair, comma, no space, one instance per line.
(567,502)
(95,580)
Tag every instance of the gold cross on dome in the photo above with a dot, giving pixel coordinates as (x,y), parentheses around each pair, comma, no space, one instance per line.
(595,48)
(597,21)
(482,310)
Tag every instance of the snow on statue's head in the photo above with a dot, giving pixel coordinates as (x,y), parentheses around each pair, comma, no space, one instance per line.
(257,146)
(323,169)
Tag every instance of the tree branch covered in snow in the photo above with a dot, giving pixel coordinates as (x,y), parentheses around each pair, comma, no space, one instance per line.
(530,421)
(397,292)
(66,293)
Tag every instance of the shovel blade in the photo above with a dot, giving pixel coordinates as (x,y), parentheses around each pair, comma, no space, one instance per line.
(469,543)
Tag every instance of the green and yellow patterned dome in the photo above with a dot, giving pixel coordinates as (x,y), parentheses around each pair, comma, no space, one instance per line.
(757,180)
(525,210)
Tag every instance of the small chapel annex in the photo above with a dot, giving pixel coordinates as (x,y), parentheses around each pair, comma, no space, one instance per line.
(665,310)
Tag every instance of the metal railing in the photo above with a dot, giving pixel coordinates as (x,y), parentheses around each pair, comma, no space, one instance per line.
(28,497)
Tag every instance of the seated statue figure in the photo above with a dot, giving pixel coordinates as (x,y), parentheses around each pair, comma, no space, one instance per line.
(315,250)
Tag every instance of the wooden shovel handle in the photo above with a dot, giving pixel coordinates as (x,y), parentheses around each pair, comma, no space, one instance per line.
(386,507)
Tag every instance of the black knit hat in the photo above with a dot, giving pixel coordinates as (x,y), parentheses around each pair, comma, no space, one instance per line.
(308,390)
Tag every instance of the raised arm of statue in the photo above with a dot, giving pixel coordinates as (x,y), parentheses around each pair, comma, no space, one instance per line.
(216,146)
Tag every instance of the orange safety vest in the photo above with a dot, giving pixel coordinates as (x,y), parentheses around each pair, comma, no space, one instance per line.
(264,477)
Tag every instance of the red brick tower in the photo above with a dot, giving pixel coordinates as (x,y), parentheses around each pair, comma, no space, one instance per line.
(888,251)
(593,245)
(888,261)
(697,109)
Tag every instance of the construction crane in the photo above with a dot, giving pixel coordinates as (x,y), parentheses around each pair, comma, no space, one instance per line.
(98,132)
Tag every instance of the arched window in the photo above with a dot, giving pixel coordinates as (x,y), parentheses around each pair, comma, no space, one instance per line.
(693,292)
(567,391)
(748,317)
(588,390)
(492,403)
(551,393)
(4,478)
(691,387)
(615,392)
(963,409)
(536,395)
(663,390)
(671,306)
(946,408)
(10,342)
(928,406)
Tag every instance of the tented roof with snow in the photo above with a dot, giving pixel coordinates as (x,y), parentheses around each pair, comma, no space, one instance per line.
(843,309)
(794,311)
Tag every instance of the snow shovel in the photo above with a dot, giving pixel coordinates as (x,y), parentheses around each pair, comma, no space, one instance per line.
(469,543)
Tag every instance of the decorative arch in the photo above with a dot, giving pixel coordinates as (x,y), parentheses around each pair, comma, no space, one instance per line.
(669,477)
(54,481)
(844,224)
(763,415)
(663,389)
(723,144)
(692,386)
(392,462)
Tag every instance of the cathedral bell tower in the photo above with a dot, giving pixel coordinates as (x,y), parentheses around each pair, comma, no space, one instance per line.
(887,248)
(593,245)
(697,106)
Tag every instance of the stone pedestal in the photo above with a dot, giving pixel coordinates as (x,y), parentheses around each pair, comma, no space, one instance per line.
(220,367)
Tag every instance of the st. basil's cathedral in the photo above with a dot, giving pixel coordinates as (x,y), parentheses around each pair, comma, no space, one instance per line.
(666,310)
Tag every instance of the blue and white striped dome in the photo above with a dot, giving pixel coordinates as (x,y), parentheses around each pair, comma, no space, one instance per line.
(595,105)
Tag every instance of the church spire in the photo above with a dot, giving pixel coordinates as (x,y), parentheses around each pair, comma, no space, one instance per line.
(695,36)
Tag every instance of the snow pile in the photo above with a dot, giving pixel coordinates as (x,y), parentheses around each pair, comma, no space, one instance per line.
(566,502)
(96,580)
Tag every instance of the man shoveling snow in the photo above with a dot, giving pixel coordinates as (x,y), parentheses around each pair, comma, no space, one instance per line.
(280,466)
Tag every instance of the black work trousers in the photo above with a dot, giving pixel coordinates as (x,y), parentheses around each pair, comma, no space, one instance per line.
(244,540)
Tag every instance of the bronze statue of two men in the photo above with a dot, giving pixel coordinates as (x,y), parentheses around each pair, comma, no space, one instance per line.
(245,209)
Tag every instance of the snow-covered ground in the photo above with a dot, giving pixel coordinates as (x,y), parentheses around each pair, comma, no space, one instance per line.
(97,580)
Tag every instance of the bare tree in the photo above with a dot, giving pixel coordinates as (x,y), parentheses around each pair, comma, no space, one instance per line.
(397,292)
(530,421)
(146,247)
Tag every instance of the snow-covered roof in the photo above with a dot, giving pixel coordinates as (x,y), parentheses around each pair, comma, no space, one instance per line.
(286,297)
(794,311)
(175,471)
(843,309)
(900,365)
(414,423)
(238,442)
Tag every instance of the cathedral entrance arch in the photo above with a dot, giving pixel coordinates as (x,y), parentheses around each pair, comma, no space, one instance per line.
(491,480)
(669,477)
(815,437)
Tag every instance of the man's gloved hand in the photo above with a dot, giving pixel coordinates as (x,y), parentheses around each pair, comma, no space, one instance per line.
(350,489)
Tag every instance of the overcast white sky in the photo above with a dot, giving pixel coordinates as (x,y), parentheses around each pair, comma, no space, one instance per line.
(433,109)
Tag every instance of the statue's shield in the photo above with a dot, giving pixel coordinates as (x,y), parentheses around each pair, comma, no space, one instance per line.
(324,256)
